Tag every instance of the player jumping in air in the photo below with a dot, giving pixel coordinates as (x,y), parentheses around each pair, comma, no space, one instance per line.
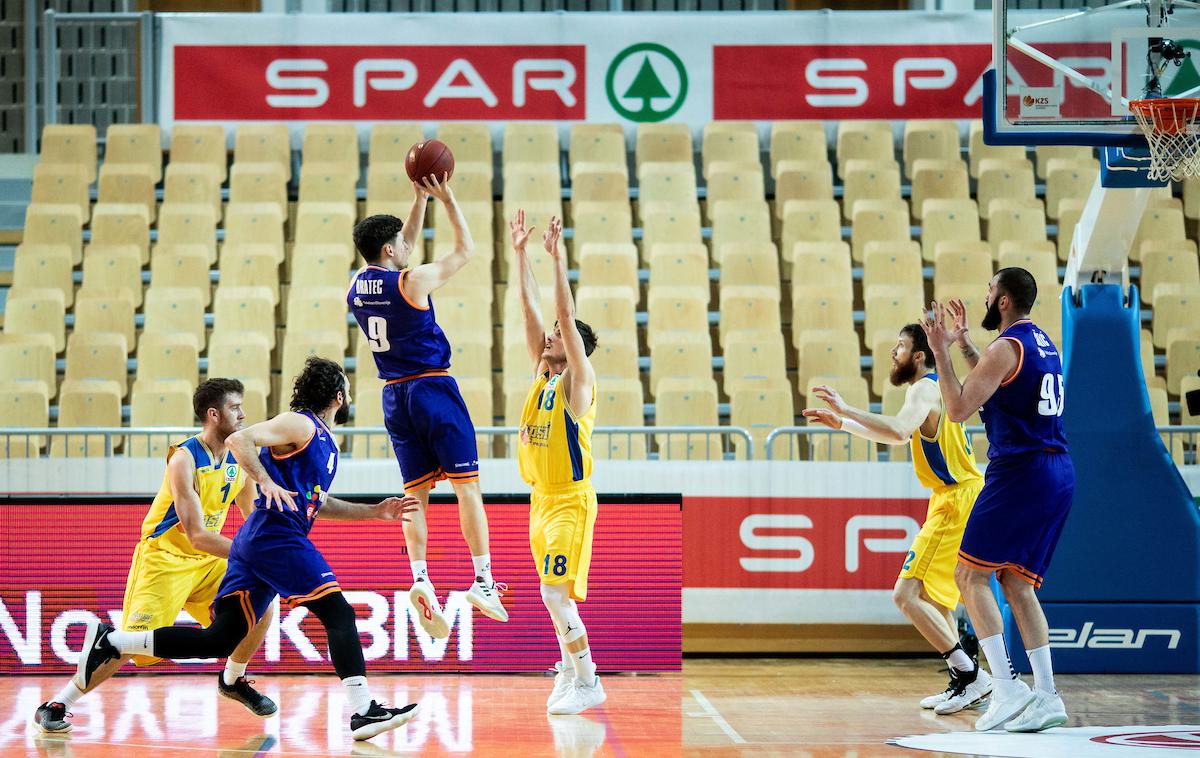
(1027,491)
(555,457)
(941,453)
(179,560)
(272,555)
(423,410)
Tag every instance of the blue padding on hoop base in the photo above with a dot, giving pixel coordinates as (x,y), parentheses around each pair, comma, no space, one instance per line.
(1127,168)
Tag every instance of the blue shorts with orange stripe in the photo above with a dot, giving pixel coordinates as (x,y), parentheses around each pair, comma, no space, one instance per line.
(271,557)
(1019,515)
(431,430)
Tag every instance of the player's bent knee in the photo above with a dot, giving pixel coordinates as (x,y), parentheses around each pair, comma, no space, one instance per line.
(966,577)
(333,611)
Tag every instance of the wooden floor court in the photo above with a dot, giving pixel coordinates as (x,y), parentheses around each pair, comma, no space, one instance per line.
(848,708)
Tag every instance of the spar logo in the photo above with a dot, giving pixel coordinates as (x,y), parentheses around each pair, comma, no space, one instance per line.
(1184,739)
(646,82)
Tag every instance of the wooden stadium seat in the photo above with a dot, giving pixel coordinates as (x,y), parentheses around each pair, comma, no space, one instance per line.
(748,308)
(666,182)
(599,182)
(890,306)
(28,357)
(318,309)
(1146,348)
(248,265)
(98,355)
(193,183)
(619,403)
(122,224)
(892,262)
(532,183)
(259,183)
(670,224)
(158,402)
(677,308)
(739,221)
(1003,179)
(841,447)
(609,264)
(114,267)
(331,143)
(961,263)
(601,222)
(1038,258)
(823,263)
(514,323)
(368,413)
(1183,356)
(36,311)
(816,308)
(948,220)
(938,180)
(182,266)
(62,184)
(44,267)
(479,217)
(754,264)
(468,142)
(1158,223)
(1070,153)
(84,403)
(135,145)
(530,143)
(1174,310)
(322,264)
(465,310)
(254,222)
(470,356)
(615,359)
(687,401)
(328,183)
(1066,179)
(809,221)
(390,143)
(679,263)
(1069,211)
(729,147)
(23,404)
(802,180)
(324,223)
(179,309)
(477,394)
(868,180)
(264,143)
(200,144)
(598,143)
(797,141)
(242,355)
(169,355)
(760,410)
(298,347)
(864,140)
(878,221)
(1018,220)
(103,310)
(71,144)
(978,151)
(751,355)
(734,182)
(607,308)
(930,139)
(1166,262)
(663,143)
(189,224)
(54,224)
(679,353)
(389,189)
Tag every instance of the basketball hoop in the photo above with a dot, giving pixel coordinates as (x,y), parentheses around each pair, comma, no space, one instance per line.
(1172,134)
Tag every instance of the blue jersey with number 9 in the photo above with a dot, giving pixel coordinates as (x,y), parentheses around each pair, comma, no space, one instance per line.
(1025,413)
(404,337)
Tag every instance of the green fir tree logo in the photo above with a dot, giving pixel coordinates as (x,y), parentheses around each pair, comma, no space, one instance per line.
(637,101)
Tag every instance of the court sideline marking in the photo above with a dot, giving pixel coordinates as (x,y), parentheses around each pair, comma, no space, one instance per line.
(716,716)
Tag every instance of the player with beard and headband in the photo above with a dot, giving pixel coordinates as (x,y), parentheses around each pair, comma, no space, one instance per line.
(925,591)
(1017,385)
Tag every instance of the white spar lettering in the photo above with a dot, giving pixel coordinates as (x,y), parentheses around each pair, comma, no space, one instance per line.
(475,88)
(856,525)
(524,77)
(801,546)
(904,76)
(364,81)
(316,89)
(816,75)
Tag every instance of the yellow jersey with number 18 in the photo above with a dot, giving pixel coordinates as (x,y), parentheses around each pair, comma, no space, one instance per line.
(217,481)
(946,459)
(556,446)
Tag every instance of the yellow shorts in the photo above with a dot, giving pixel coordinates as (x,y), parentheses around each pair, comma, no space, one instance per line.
(560,535)
(162,583)
(934,552)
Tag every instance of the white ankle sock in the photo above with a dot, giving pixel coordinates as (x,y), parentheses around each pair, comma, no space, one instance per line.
(358,694)
(420,570)
(958,660)
(568,667)
(585,667)
(68,695)
(483,567)
(997,657)
(132,643)
(1043,673)
(233,670)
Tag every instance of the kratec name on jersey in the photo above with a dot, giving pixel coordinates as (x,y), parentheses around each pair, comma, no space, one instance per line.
(368,287)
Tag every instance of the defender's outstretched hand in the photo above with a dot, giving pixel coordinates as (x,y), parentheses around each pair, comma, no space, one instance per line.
(824,416)
(551,237)
(395,508)
(519,233)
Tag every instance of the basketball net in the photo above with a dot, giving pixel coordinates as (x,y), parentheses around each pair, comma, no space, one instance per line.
(1172,134)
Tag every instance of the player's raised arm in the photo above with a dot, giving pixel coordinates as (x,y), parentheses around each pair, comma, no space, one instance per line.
(531,309)
(919,400)
(391,509)
(286,431)
(425,278)
(997,363)
(181,474)
(958,317)
(414,225)
(583,376)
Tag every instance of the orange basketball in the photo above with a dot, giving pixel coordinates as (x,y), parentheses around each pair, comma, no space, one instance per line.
(429,158)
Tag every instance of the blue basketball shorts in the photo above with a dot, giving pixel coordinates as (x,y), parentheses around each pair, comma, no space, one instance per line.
(431,431)
(1019,515)
(270,558)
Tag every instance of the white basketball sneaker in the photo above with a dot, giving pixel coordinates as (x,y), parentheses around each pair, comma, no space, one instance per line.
(564,682)
(581,697)
(429,611)
(969,692)
(1009,698)
(486,597)
(1046,711)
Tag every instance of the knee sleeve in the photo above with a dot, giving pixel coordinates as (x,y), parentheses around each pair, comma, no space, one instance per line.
(218,640)
(563,611)
(337,617)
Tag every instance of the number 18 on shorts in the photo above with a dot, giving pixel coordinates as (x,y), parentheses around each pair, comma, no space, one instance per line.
(560,536)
